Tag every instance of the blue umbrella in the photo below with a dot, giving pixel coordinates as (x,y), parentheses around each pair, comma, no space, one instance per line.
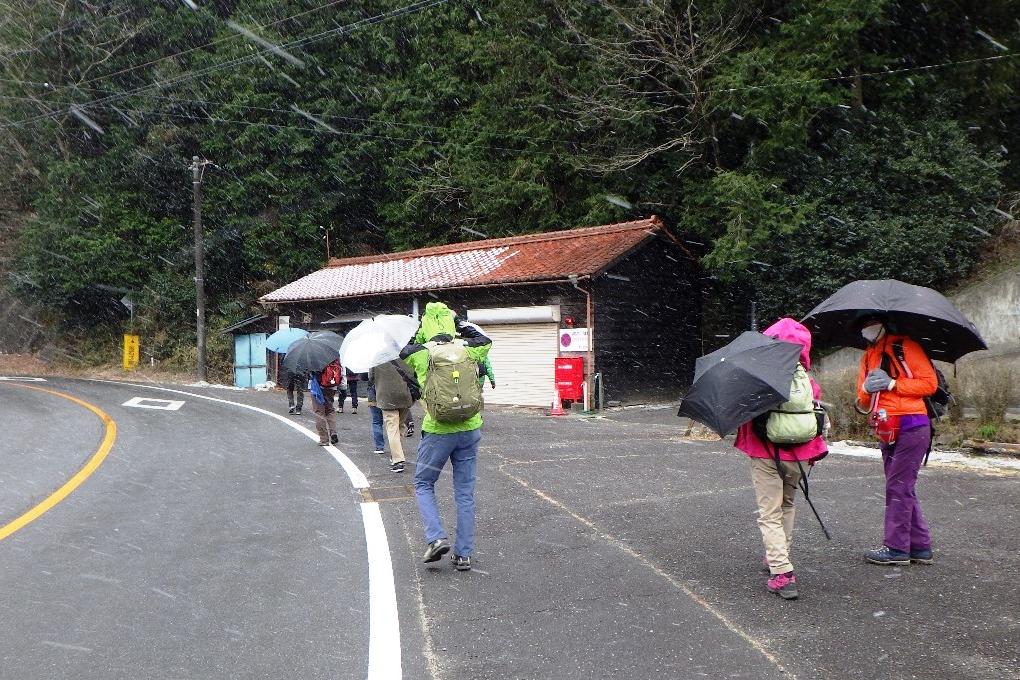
(284,338)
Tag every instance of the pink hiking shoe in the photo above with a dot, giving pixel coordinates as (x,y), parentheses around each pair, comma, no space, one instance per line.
(783,585)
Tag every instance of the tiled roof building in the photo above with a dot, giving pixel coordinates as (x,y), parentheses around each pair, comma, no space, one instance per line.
(623,299)
(550,256)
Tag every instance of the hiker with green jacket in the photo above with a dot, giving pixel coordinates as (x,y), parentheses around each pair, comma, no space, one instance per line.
(485,371)
(446,369)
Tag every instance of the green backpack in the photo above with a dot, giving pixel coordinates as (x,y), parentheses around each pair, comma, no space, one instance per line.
(794,422)
(452,393)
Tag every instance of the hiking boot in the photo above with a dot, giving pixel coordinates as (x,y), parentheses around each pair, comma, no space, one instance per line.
(381,452)
(297,411)
(333,439)
(461,563)
(354,411)
(783,585)
(437,549)
(886,555)
(922,556)
(291,410)
(397,467)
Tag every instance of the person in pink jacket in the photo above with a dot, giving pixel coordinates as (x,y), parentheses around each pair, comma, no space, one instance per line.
(774,489)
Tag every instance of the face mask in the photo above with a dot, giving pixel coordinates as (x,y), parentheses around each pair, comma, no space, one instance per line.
(871,333)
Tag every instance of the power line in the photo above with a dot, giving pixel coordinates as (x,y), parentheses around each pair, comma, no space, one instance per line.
(871,74)
(292,111)
(415,7)
(209,44)
(319,130)
(34,44)
(115,94)
(346,29)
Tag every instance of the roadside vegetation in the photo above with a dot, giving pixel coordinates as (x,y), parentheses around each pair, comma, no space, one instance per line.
(982,396)
(798,145)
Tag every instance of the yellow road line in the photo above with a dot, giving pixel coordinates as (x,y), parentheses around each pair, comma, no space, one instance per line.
(74,482)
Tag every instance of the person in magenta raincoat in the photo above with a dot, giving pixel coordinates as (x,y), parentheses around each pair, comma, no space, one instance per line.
(775,490)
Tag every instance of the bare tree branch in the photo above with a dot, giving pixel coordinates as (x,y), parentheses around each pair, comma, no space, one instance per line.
(649,63)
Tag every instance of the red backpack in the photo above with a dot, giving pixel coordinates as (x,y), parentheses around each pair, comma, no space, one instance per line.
(331,375)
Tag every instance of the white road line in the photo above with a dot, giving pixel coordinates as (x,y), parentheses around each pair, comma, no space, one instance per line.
(158,404)
(384,624)
(384,629)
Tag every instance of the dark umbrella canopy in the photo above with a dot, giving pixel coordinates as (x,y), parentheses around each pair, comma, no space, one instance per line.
(329,337)
(310,355)
(742,380)
(920,313)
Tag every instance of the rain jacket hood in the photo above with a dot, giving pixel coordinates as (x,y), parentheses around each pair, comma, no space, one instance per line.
(789,330)
(437,320)
(786,330)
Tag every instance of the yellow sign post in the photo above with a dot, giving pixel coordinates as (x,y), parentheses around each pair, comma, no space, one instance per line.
(131,353)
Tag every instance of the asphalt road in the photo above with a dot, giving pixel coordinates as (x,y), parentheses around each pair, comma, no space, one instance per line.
(215,542)
(212,542)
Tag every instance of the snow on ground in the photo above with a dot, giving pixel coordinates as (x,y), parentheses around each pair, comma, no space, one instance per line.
(941,458)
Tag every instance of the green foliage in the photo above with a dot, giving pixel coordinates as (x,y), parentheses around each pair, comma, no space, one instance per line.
(744,124)
(988,432)
(885,201)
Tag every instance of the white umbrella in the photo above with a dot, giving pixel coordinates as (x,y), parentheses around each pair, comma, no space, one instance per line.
(376,341)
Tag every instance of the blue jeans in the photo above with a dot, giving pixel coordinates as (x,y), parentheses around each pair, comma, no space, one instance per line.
(377,428)
(461,449)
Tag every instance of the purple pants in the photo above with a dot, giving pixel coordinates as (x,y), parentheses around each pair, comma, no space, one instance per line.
(905,528)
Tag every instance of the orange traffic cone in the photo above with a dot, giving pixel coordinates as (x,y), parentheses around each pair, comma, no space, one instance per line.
(557,405)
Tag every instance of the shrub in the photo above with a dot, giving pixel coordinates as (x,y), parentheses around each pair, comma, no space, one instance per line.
(988,431)
(839,389)
(991,390)
(183,358)
(958,401)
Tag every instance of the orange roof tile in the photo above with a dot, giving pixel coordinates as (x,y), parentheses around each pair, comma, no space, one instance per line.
(549,256)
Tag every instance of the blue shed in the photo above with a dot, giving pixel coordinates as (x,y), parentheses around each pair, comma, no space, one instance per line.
(251,365)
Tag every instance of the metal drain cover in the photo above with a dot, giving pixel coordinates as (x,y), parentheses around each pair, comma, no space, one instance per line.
(387,493)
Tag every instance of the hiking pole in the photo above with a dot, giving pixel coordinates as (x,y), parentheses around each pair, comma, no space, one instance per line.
(804,488)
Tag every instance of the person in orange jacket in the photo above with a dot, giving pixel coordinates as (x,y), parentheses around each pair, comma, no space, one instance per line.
(895,378)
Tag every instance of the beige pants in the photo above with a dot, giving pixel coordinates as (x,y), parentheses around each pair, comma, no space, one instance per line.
(775,510)
(393,422)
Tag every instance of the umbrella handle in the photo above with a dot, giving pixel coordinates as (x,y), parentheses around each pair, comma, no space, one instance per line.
(871,407)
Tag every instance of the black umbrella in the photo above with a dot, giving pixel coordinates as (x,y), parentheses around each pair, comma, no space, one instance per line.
(744,379)
(920,313)
(310,355)
(333,339)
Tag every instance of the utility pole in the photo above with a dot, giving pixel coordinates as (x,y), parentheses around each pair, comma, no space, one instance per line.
(325,231)
(197,168)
